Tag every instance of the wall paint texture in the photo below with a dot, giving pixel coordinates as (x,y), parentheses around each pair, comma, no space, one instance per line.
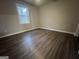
(60,15)
(9,19)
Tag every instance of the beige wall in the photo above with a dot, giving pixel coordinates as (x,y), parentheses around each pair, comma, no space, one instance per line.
(9,20)
(60,15)
(34,14)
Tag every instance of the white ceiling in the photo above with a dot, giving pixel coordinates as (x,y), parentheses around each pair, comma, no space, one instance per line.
(38,2)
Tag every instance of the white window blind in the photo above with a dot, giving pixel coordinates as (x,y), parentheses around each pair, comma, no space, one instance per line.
(23,13)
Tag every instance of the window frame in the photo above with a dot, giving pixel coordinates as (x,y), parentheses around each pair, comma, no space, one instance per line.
(26,6)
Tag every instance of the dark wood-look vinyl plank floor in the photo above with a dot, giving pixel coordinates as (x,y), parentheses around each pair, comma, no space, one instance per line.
(39,44)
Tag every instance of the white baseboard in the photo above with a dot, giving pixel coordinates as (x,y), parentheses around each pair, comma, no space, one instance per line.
(37,28)
(59,31)
(17,33)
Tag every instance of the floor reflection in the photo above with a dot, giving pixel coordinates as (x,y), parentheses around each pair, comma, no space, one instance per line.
(28,41)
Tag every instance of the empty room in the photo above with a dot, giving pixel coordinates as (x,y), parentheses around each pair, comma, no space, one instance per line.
(39,29)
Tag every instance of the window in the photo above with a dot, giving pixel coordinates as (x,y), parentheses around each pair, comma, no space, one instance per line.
(23,13)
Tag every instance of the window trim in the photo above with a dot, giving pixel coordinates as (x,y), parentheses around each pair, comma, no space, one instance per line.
(27,6)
